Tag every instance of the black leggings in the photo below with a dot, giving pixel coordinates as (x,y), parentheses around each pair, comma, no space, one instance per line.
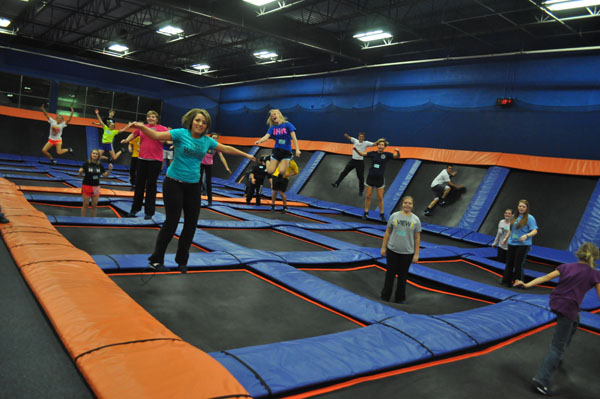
(515,258)
(396,264)
(359,165)
(145,180)
(206,172)
(178,196)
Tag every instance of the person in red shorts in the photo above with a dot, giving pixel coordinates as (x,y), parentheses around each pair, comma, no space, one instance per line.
(55,138)
(90,187)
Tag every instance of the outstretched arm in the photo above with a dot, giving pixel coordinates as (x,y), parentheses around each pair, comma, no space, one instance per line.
(262,139)
(295,141)
(99,118)
(153,134)
(346,135)
(70,116)
(44,111)
(362,154)
(224,161)
(126,128)
(539,280)
(227,149)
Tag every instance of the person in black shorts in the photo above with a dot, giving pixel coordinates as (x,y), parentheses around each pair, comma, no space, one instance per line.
(376,176)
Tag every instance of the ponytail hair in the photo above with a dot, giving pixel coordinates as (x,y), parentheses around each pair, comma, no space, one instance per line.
(588,253)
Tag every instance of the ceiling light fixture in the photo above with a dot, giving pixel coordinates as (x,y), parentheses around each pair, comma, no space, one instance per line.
(265,54)
(118,48)
(259,2)
(201,67)
(170,30)
(559,5)
(4,22)
(372,35)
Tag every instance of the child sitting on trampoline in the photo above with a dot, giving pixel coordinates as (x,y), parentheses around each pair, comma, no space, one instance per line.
(55,138)
(574,281)
(90,187)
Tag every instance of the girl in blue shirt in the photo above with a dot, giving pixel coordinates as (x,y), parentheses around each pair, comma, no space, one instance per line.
(181,187)
(522,228)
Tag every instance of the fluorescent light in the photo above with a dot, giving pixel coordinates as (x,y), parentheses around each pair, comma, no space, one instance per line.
(558,5)
(265,54)
(170,30)
(201,67)
(372,35)
(259,2)
(4,22)
(119,48)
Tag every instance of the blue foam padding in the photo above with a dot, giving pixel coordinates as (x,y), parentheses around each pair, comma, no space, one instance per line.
(242,166)
(234,224)
(433,228)
(484,252)
(98,221)
(499,321)
(306,172)
(590,300)
(554,255)
(327,257)
(62,199)
(456,232)
(373,230)
(11,157)
(398,186)
(331,295)
(589,320)
(435,252)
(478,238)
(589,224)
(483,198)
(322,359)
(140,261)
(28,177)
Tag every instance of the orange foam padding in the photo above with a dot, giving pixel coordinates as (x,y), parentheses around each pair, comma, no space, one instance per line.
(567,166)
(158,369)
(121,350)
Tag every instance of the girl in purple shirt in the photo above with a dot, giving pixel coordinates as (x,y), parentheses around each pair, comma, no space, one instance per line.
(575,279)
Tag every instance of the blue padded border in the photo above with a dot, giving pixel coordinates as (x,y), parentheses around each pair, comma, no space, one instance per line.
(483,199)
(589,225)
(398,186)
(307,172)
(237,173)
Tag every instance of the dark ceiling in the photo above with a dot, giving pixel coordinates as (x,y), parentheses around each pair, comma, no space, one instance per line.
(309,36)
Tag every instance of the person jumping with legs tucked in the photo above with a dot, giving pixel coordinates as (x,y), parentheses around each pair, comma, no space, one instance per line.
(108,135)
(55,138)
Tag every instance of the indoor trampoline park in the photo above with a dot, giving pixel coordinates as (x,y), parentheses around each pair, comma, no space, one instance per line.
(284,299)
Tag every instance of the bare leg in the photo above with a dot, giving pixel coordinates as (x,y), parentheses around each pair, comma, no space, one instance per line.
(283,165)
(380,199)
(94,206)
(284,199)
(114,156)
(86,201)
(433,203)
(60,150)
(45,149)
(272,165)
(446,192)
(368,193)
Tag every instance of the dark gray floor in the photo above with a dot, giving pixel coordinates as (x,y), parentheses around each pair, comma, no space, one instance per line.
(34,362)
(39,183)
(64,210)
(353,237)
(265,239)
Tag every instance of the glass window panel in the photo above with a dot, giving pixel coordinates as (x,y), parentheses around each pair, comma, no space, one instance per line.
(126,117)
(9,99)
(147,104)
(35,103)
(10,82)
(36,87)
(90,112)
(71,94)
(99,98)
(125,102)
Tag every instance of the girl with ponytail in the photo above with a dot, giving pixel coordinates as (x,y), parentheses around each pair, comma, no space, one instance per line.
(574,280)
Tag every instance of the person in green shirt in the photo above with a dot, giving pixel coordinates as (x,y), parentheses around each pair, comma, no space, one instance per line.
(107,138)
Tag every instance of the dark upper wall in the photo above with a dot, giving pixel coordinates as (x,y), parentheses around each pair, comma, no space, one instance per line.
(442,106)
(449,105)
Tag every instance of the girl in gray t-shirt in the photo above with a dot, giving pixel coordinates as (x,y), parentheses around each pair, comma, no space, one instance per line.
(400,247)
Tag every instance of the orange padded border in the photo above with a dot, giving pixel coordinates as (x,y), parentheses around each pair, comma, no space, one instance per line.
(120,349)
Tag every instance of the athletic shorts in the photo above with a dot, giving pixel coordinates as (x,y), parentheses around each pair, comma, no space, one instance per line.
(90,191)
(106,147)
(439,190)
(280,184)
(375,181)
(54,142)
(279,154)
(167,154)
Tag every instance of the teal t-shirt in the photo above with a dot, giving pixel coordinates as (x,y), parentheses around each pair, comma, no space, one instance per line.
(188,154)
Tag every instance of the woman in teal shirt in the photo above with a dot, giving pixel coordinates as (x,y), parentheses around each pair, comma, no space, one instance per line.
(522,229)
(181,187)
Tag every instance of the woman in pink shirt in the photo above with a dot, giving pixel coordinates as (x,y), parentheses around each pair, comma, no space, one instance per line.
(206,168)
(149,165)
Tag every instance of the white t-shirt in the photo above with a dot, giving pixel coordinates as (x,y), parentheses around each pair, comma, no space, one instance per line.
(362,147)
(503,229)
(442,178)
(56,129)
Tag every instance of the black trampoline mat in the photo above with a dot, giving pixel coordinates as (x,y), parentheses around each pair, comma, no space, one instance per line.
(230,309)
(39,183)
(342,217)
(368,283)
(503,373)
(433,238)
(278,215)
(115,240)
(265,239)
(15,164)
(64,210)
(353,237)
(472,272)
(205,213)
(25,173)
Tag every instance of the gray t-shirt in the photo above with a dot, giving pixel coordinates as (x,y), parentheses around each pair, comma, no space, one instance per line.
(402,235)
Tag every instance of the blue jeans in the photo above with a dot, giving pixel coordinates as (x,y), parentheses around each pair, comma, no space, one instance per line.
(563,334)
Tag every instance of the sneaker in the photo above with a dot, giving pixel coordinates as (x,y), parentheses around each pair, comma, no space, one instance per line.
(157,267)
(541,388)
(147,217)
(427,212)
(335,185)
(364,216)
(70,150)
(284,210)
(272,209)
(360,193)
(53,161)
(382,218)
(182,269)
(131,214)
(443,203)
(209,203)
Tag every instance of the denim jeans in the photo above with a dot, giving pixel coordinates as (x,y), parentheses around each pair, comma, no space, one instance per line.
(563,334)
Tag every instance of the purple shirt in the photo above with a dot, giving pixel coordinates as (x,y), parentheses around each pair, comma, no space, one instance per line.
(575,280)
